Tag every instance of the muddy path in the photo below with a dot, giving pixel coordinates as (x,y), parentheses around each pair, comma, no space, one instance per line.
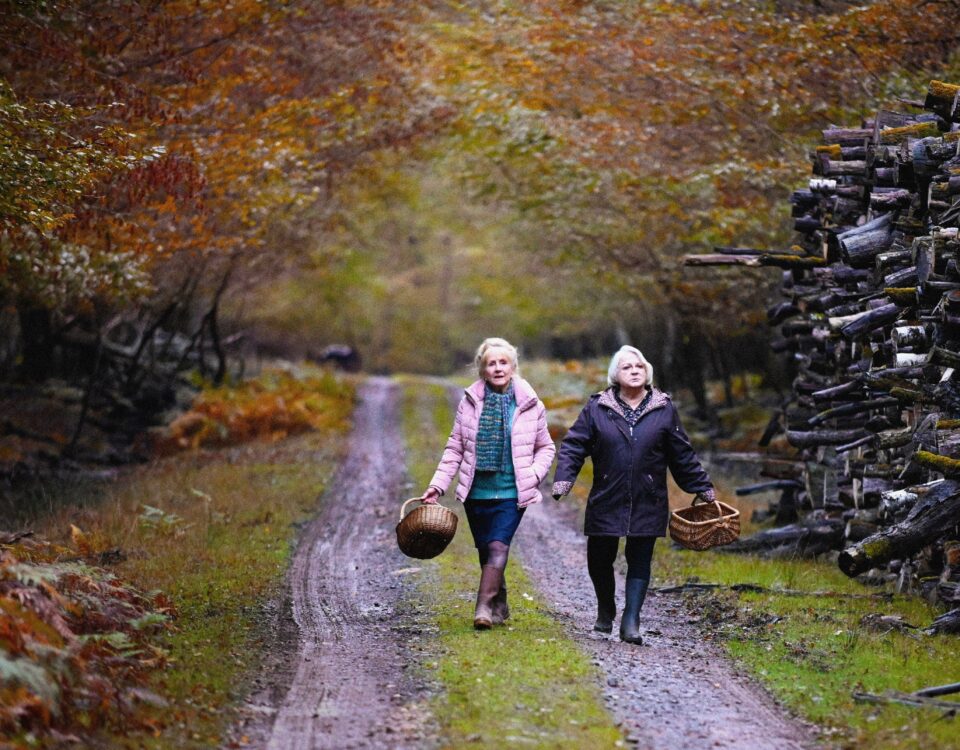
(677,690)
(347,685)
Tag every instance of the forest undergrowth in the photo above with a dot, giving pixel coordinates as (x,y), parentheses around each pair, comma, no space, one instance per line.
(90,647)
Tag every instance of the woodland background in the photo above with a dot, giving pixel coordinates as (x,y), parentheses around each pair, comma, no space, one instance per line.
(271,176)
(191,187)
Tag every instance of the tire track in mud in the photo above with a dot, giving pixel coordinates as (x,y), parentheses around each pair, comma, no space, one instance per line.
(675,692)
(348,686)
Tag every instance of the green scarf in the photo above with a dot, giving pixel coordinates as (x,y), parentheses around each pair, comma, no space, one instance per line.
(493,431)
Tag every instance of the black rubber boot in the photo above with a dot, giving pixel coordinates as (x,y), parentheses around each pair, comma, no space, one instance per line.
(606,606)
(605,587)
(630,622)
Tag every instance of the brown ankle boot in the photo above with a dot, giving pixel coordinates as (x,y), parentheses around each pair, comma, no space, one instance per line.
(501,610)
(490,579)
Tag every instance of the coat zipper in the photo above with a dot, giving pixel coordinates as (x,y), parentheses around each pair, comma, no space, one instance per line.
(630,484)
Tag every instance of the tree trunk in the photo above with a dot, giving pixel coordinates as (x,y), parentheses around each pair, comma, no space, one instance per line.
(847,136)
(787,511)
(855,407)
(36,343)
(858,530)
(948,622)
(812,439)
(871,319)
(807,539)
(932,516)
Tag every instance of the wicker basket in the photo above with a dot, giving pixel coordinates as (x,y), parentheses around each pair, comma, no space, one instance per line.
(705,524)
(426,531)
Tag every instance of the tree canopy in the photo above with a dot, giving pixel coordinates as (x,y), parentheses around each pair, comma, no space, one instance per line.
(148,146)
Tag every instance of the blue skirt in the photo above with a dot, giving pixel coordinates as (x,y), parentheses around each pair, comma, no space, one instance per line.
(493,520)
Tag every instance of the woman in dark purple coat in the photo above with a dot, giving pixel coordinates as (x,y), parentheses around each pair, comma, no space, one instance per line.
(633,434)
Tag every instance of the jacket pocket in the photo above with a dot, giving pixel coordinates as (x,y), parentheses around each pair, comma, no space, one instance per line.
(652,491)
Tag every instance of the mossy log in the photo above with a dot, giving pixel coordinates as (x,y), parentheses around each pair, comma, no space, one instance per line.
(905,295)
(894,438)
(941,92)
(933,515)
(833,151)
(907,395)
(915,130)
(949,467)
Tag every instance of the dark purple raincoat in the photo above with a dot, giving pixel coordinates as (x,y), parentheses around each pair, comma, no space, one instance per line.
(629,493)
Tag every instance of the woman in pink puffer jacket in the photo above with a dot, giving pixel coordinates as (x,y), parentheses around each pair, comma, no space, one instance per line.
(502,449)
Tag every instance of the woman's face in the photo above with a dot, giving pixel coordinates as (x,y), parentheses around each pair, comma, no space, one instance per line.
(631,373)
(497,368)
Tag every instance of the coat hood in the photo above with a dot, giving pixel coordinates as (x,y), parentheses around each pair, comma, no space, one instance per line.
(658,399)
(522,391)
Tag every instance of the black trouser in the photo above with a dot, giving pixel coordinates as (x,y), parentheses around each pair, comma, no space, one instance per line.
(602,552)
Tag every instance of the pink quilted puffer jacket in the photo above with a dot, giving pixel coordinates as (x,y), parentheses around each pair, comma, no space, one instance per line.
(533,448)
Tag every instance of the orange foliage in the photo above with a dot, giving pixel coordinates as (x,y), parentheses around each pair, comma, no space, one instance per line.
(272,407)
(252,109)
(77,644)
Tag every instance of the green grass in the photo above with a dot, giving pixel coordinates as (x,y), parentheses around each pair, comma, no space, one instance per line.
(813,651)
(523,684)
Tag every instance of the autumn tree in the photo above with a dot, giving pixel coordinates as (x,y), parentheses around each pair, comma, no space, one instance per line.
(151,149)
(629,133)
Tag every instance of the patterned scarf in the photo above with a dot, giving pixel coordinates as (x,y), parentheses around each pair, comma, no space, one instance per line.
(493,432)
(629,413)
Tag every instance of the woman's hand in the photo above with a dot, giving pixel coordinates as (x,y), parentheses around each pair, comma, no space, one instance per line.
(430,496)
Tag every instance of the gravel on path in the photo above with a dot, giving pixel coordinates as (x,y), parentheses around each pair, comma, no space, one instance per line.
(676,691)
(348,685)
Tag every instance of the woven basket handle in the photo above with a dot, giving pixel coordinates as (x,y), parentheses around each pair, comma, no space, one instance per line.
(403,508)
(698,500)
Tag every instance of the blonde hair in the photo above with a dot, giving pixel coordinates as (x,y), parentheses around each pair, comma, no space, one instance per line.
(614,367)
(495,343)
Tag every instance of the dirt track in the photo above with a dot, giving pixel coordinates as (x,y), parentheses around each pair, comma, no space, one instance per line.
(676,691)
(347,686)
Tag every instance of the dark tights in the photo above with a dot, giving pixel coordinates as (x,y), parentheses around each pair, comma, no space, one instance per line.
(602,552)
(495,554)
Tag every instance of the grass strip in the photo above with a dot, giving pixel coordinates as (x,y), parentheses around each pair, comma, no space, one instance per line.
(215,531)
(523,684)
(813,652)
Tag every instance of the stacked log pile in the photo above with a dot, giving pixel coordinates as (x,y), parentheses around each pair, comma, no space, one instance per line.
(871,319)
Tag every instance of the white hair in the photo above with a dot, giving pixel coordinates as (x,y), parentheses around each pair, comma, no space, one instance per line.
(480,360)
(614,367)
